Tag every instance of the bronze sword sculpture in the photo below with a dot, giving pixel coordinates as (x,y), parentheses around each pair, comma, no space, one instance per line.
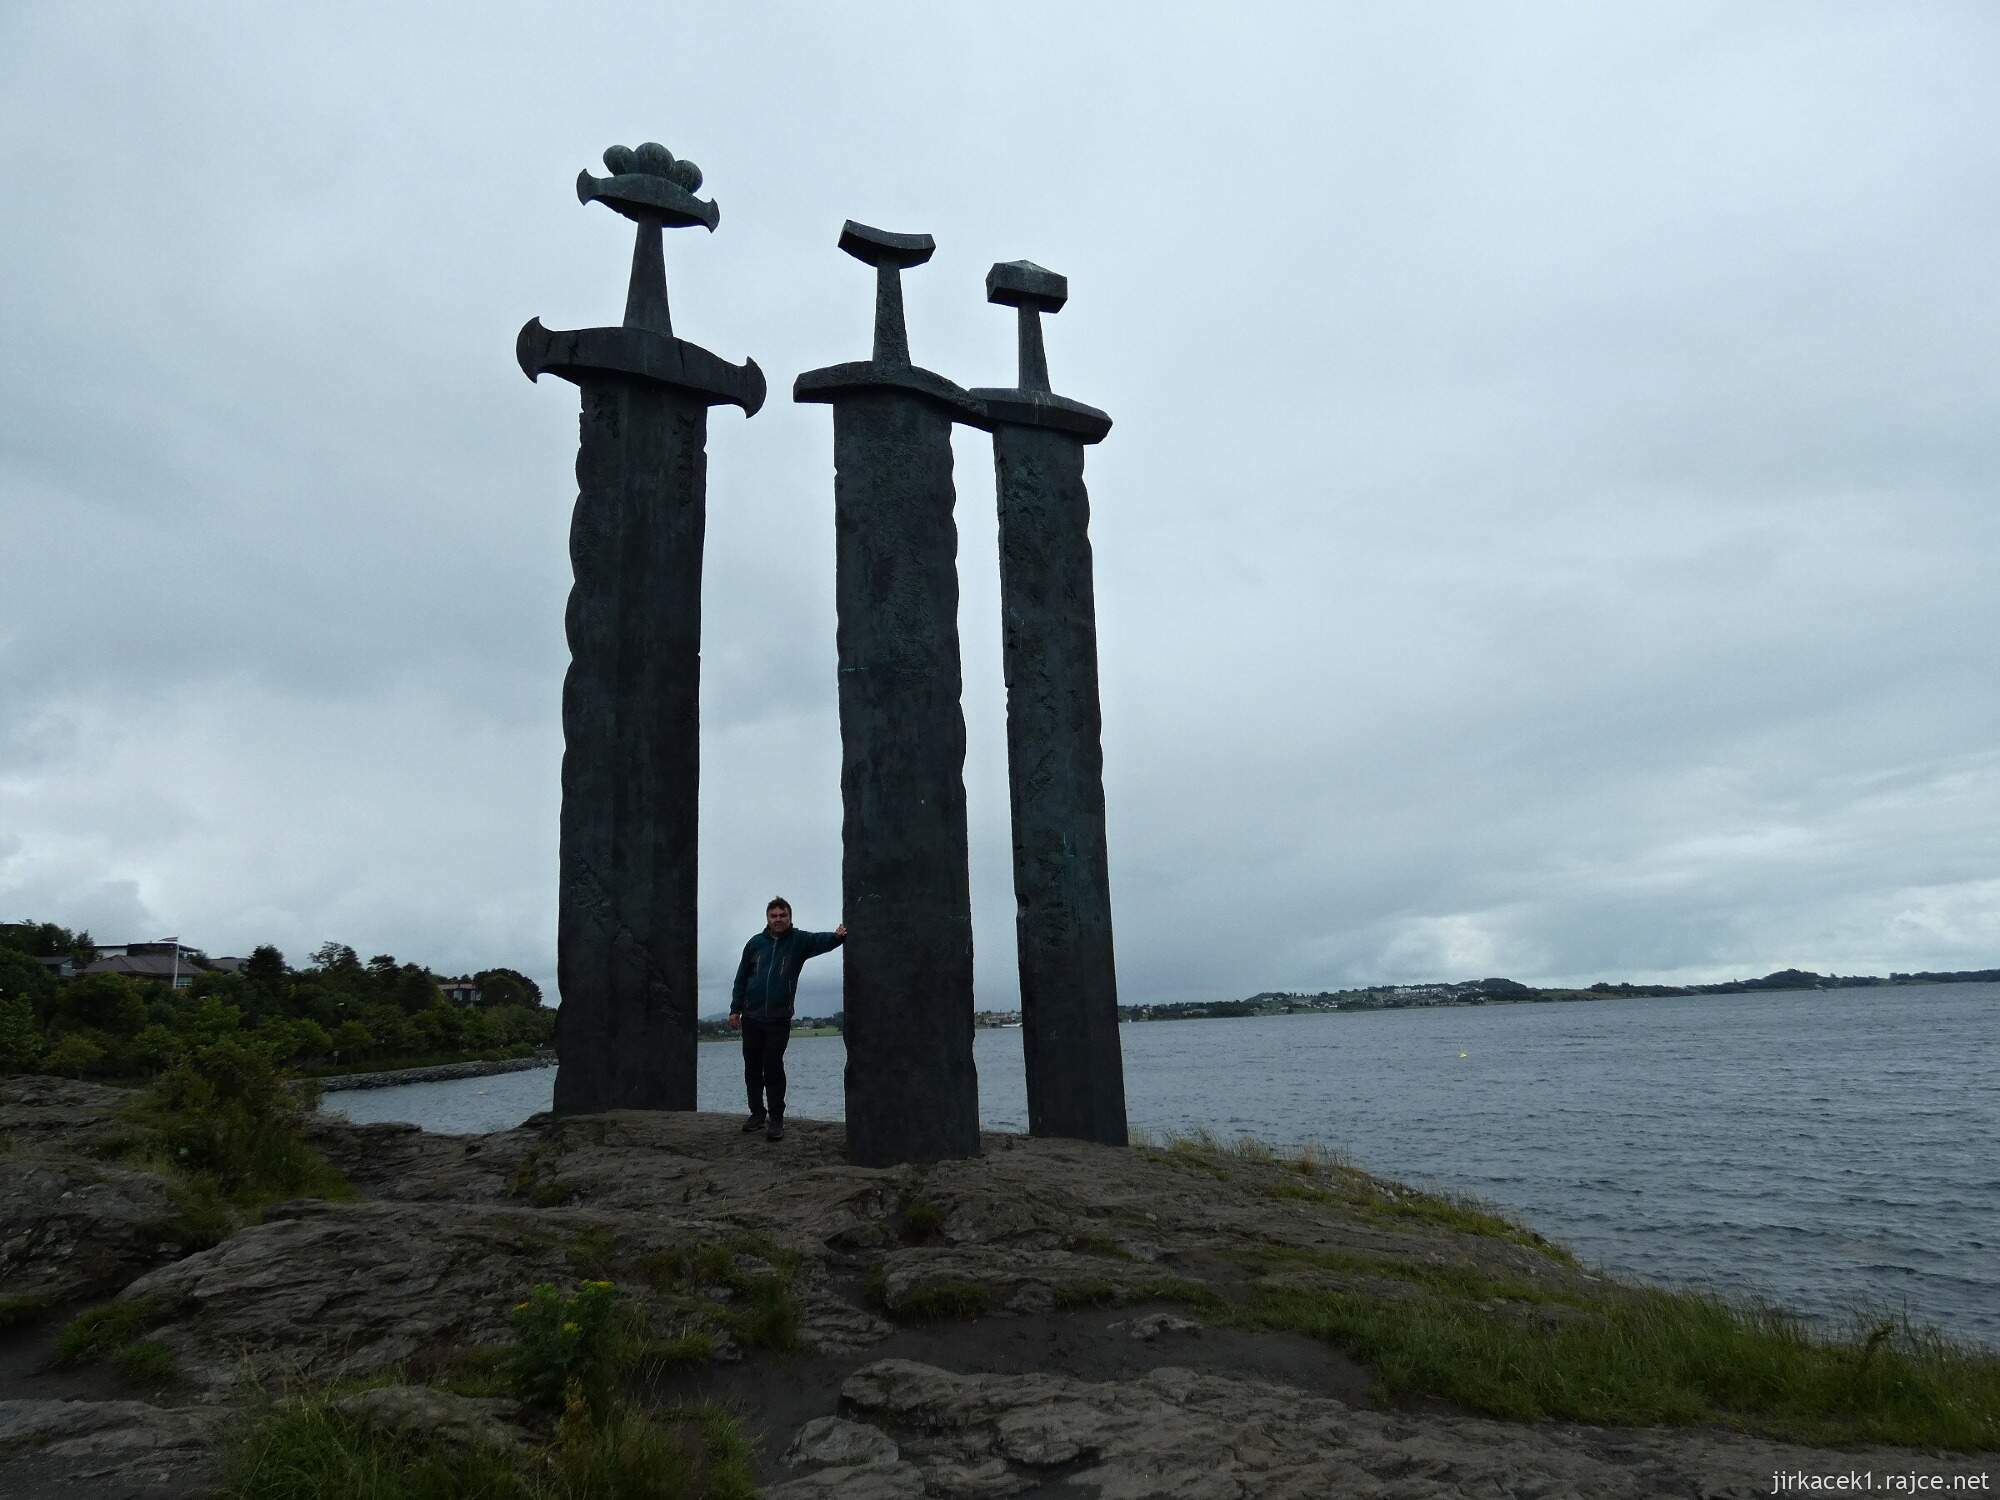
(912,1092)
(1055,762)
(625,933)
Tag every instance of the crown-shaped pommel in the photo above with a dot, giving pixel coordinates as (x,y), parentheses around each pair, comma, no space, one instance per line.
(649,186)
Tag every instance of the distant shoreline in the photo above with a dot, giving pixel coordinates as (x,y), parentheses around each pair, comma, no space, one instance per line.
(437,1073)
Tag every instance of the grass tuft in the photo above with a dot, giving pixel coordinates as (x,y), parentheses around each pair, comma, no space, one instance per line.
(945,1300)
(147,1362)
(922,1219)
(1089,1242)
(23,1309)
(101,1332)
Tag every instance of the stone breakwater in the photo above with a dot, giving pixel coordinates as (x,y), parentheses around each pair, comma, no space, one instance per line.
(1046,1318)
(442,1073)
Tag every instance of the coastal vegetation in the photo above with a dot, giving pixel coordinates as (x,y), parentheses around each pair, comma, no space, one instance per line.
(576,1368)
(1571,1345)
(339,1014)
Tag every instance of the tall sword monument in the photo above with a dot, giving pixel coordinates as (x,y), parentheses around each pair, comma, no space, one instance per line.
(912,1093)
(1055,761)
(625,933)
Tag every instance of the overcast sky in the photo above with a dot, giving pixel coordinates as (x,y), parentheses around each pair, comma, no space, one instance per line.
(1550,528)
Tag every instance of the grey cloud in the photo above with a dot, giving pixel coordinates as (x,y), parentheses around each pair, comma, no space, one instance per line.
(1548,526)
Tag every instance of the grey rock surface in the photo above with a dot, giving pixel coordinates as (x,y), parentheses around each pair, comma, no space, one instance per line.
(1178,1434)
(834,1440)
(420,1411)
(106,1450)
(71,1228)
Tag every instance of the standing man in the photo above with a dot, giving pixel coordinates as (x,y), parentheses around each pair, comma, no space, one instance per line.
(760,1003)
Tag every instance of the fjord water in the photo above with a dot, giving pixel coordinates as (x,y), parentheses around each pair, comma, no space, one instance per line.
(1820,1149)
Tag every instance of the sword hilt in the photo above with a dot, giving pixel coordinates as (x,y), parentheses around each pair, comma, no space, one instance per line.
(1031,290)
(888,254)
(653,190)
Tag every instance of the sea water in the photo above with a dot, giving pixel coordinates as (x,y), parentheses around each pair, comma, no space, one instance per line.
(1822,1149)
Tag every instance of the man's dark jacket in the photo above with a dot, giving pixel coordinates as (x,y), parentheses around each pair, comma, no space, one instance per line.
(768,977)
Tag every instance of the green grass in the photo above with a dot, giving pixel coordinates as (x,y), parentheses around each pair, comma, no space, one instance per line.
(945,1300)
(302,1449)
(473,1370)
(1448,1278)
(305,1450)
(1088,1294)
(101,1332)
(922,1219)
(23,1309)
(147,1362)
(1330,1179)
(593,1254)
(1640,1357)
(1089,1242)
(766,1315)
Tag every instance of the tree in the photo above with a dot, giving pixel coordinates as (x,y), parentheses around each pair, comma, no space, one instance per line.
(337,957)
(506,987)
(110,1003)
(415,990)
(352,1040)
(155,1048)
(22,977)
(75,1055)
(20,1043)
(265,967)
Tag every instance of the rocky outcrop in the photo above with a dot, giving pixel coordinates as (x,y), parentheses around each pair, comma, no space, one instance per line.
(71,1227)
(96,1450)
(916,1429)
(1051,1317)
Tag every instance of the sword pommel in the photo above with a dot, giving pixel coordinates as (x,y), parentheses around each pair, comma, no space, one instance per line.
(648,186)
(1022,283)
(878,247)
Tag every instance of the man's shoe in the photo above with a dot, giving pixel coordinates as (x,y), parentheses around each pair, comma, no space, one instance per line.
(753,1124)
(777,1130)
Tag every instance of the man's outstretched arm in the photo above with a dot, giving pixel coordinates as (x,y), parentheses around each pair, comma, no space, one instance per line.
(824,942)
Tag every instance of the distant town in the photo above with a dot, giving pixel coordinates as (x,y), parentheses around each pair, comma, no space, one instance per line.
(1463,992)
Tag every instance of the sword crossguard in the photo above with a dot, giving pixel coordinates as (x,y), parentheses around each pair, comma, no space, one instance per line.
(656,192)
(1032,290)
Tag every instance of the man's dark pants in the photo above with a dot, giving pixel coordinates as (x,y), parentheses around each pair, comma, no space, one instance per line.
(764,1064)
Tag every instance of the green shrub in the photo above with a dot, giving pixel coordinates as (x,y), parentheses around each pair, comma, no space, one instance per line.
(564,1342)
